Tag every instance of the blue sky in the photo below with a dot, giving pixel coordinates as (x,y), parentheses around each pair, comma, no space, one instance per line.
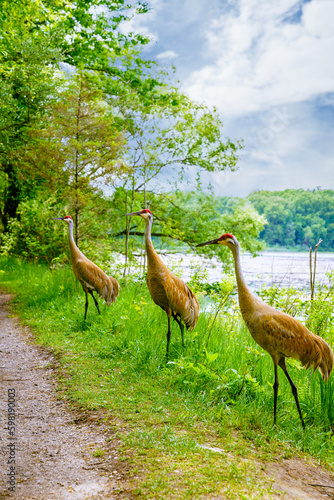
(268,67)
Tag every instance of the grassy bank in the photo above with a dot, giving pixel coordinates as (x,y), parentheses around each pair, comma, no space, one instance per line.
(200,424)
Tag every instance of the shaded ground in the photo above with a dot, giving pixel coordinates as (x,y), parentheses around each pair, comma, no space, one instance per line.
(301,481)
(53,446)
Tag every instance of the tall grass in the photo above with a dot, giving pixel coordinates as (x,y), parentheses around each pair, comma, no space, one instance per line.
(117,361)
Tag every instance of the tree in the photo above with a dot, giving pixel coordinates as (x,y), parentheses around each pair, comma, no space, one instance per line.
(33,234)
(78,148)
(182,220)
(167,134)
(296,217)
(308,235)
(27,82)
(35,38)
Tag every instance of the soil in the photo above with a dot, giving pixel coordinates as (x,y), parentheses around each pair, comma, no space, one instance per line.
(52,446)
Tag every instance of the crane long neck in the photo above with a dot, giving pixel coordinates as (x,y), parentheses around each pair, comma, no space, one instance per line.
(244,294)
(148,240)
(152,255)
(70,232)
(73,247)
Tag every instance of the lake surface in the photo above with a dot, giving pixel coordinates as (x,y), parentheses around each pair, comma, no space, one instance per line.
(281,268)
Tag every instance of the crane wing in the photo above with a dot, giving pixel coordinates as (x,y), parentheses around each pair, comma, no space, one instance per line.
(172,294)
(182,301)
(290,338)
(92,278)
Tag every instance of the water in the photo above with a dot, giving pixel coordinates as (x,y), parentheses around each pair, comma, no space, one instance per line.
(281,268)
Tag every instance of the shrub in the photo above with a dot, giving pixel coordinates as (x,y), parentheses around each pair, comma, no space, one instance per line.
(34,235)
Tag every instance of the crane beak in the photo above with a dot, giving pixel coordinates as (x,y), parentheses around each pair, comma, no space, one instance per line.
(211,242)
(58,218)
(133,213)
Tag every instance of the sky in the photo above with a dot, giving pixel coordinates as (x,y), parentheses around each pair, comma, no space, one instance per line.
(268,67)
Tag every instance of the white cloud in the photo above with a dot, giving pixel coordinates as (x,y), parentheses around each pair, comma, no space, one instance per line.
(266,54)
(296,153)
(168,54)
(143,23)
(267,65)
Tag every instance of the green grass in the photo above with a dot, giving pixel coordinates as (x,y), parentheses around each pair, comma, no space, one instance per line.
(173,417)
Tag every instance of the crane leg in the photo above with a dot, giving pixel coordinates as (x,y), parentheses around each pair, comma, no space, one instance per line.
(275,386)
(182,334)
(86,306)
(95,301)
(293,388)
(181,328)
(168,337)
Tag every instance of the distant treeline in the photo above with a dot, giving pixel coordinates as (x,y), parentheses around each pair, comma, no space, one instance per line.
(296,217)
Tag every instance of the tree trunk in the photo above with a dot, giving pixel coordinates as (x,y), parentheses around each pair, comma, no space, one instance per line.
(77,202)
(127,235)
(12,195)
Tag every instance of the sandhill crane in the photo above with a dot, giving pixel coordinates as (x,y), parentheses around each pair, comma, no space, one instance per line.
(91,277)
(276,332)
(167,290)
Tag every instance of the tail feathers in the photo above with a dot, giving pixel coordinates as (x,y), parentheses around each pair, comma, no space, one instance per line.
(326,364)
(322,359)
(109,291)
(190,315)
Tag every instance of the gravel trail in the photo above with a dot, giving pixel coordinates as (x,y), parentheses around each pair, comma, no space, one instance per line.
(50,448)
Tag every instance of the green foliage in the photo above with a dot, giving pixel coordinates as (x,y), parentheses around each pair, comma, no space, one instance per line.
(289,300)
(98,453)
(36,38)
(27,85)
(320,315)
(64,133)
(77,150)
(191,218)
(169,131)
(167,135)
(85,33)
(199,277)
(27,73)
(296,218)
(33,235)
(317,313)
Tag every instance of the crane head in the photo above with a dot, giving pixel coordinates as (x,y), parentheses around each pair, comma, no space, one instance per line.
(145,213)
(67,218)
(227,239)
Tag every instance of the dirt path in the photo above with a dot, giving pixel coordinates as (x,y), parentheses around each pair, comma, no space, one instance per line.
(52,446)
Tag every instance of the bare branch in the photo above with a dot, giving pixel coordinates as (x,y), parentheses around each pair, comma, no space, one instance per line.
(179,208)
(158,235)
(15,125)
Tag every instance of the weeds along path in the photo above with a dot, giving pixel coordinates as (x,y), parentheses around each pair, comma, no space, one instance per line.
(50,448)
